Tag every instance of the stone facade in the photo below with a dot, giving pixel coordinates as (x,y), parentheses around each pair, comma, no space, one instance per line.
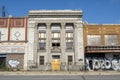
(55,23)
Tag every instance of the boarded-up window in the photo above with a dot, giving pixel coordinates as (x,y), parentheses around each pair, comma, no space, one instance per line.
(70,60)
(41,60)
(93,40)
(111,39)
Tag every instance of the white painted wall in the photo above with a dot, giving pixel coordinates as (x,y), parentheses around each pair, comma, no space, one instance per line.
(19,32)
(4,31)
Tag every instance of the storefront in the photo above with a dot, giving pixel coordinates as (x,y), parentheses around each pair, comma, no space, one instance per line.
(102,57)
(12,57)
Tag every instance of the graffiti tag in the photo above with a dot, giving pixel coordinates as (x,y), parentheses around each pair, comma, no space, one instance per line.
(104,64)
(13,63)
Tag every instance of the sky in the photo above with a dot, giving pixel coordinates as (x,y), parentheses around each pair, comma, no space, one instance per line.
(94,11)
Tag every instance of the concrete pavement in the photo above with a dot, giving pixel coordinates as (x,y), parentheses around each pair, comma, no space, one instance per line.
(59,73)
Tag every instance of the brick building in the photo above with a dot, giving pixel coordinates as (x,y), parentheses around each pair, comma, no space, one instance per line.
(13,42)
(102,46)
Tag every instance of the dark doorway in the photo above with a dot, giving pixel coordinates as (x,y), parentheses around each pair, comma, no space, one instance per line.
(2,63)
(70,60)
(91,64)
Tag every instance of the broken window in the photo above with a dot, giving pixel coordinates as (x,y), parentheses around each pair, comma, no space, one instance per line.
(55,40)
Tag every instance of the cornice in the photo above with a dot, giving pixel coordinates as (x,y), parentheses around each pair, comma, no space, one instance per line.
(55,12)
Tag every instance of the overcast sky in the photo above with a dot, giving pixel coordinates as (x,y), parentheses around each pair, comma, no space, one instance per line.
(94,11)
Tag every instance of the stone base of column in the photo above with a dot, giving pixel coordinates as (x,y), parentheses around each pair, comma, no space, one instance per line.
(31,64)
(74,67)
(80,65)
(48,66)
(63,66)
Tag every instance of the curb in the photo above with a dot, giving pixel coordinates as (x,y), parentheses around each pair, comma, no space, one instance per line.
(59,73)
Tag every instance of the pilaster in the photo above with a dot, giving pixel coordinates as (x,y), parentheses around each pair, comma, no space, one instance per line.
(31,38)
(63,43)
(75,43)
(48,42)
(36,43)
(79,44)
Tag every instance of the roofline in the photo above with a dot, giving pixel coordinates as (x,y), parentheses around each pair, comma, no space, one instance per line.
(12,17)
(55,12)
(101,24)
(66,10)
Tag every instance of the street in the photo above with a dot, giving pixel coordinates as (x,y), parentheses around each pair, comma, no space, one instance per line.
(41,78)
(61,77)
(102,77)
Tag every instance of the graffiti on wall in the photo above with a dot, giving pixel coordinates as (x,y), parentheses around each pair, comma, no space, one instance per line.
(14,63)
(102,64)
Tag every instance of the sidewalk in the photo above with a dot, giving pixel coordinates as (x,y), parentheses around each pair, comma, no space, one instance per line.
(59,73)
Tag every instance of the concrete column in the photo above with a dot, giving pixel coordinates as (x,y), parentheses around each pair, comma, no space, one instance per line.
(48,43)
(63,43)
(75,44)
(36,45)
(63,47)
(26,57)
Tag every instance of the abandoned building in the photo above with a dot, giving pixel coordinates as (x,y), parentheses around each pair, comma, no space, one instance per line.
(58,40)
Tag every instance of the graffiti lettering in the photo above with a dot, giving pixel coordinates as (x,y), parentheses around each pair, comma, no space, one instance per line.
(104,64)
(13,63)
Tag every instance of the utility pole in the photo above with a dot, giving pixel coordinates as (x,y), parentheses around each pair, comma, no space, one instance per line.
(3,11)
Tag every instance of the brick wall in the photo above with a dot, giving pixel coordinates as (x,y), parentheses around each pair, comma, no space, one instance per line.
(18,57)
(101,30)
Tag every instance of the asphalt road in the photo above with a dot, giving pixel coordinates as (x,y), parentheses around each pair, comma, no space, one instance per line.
(61,77)
(102,77)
